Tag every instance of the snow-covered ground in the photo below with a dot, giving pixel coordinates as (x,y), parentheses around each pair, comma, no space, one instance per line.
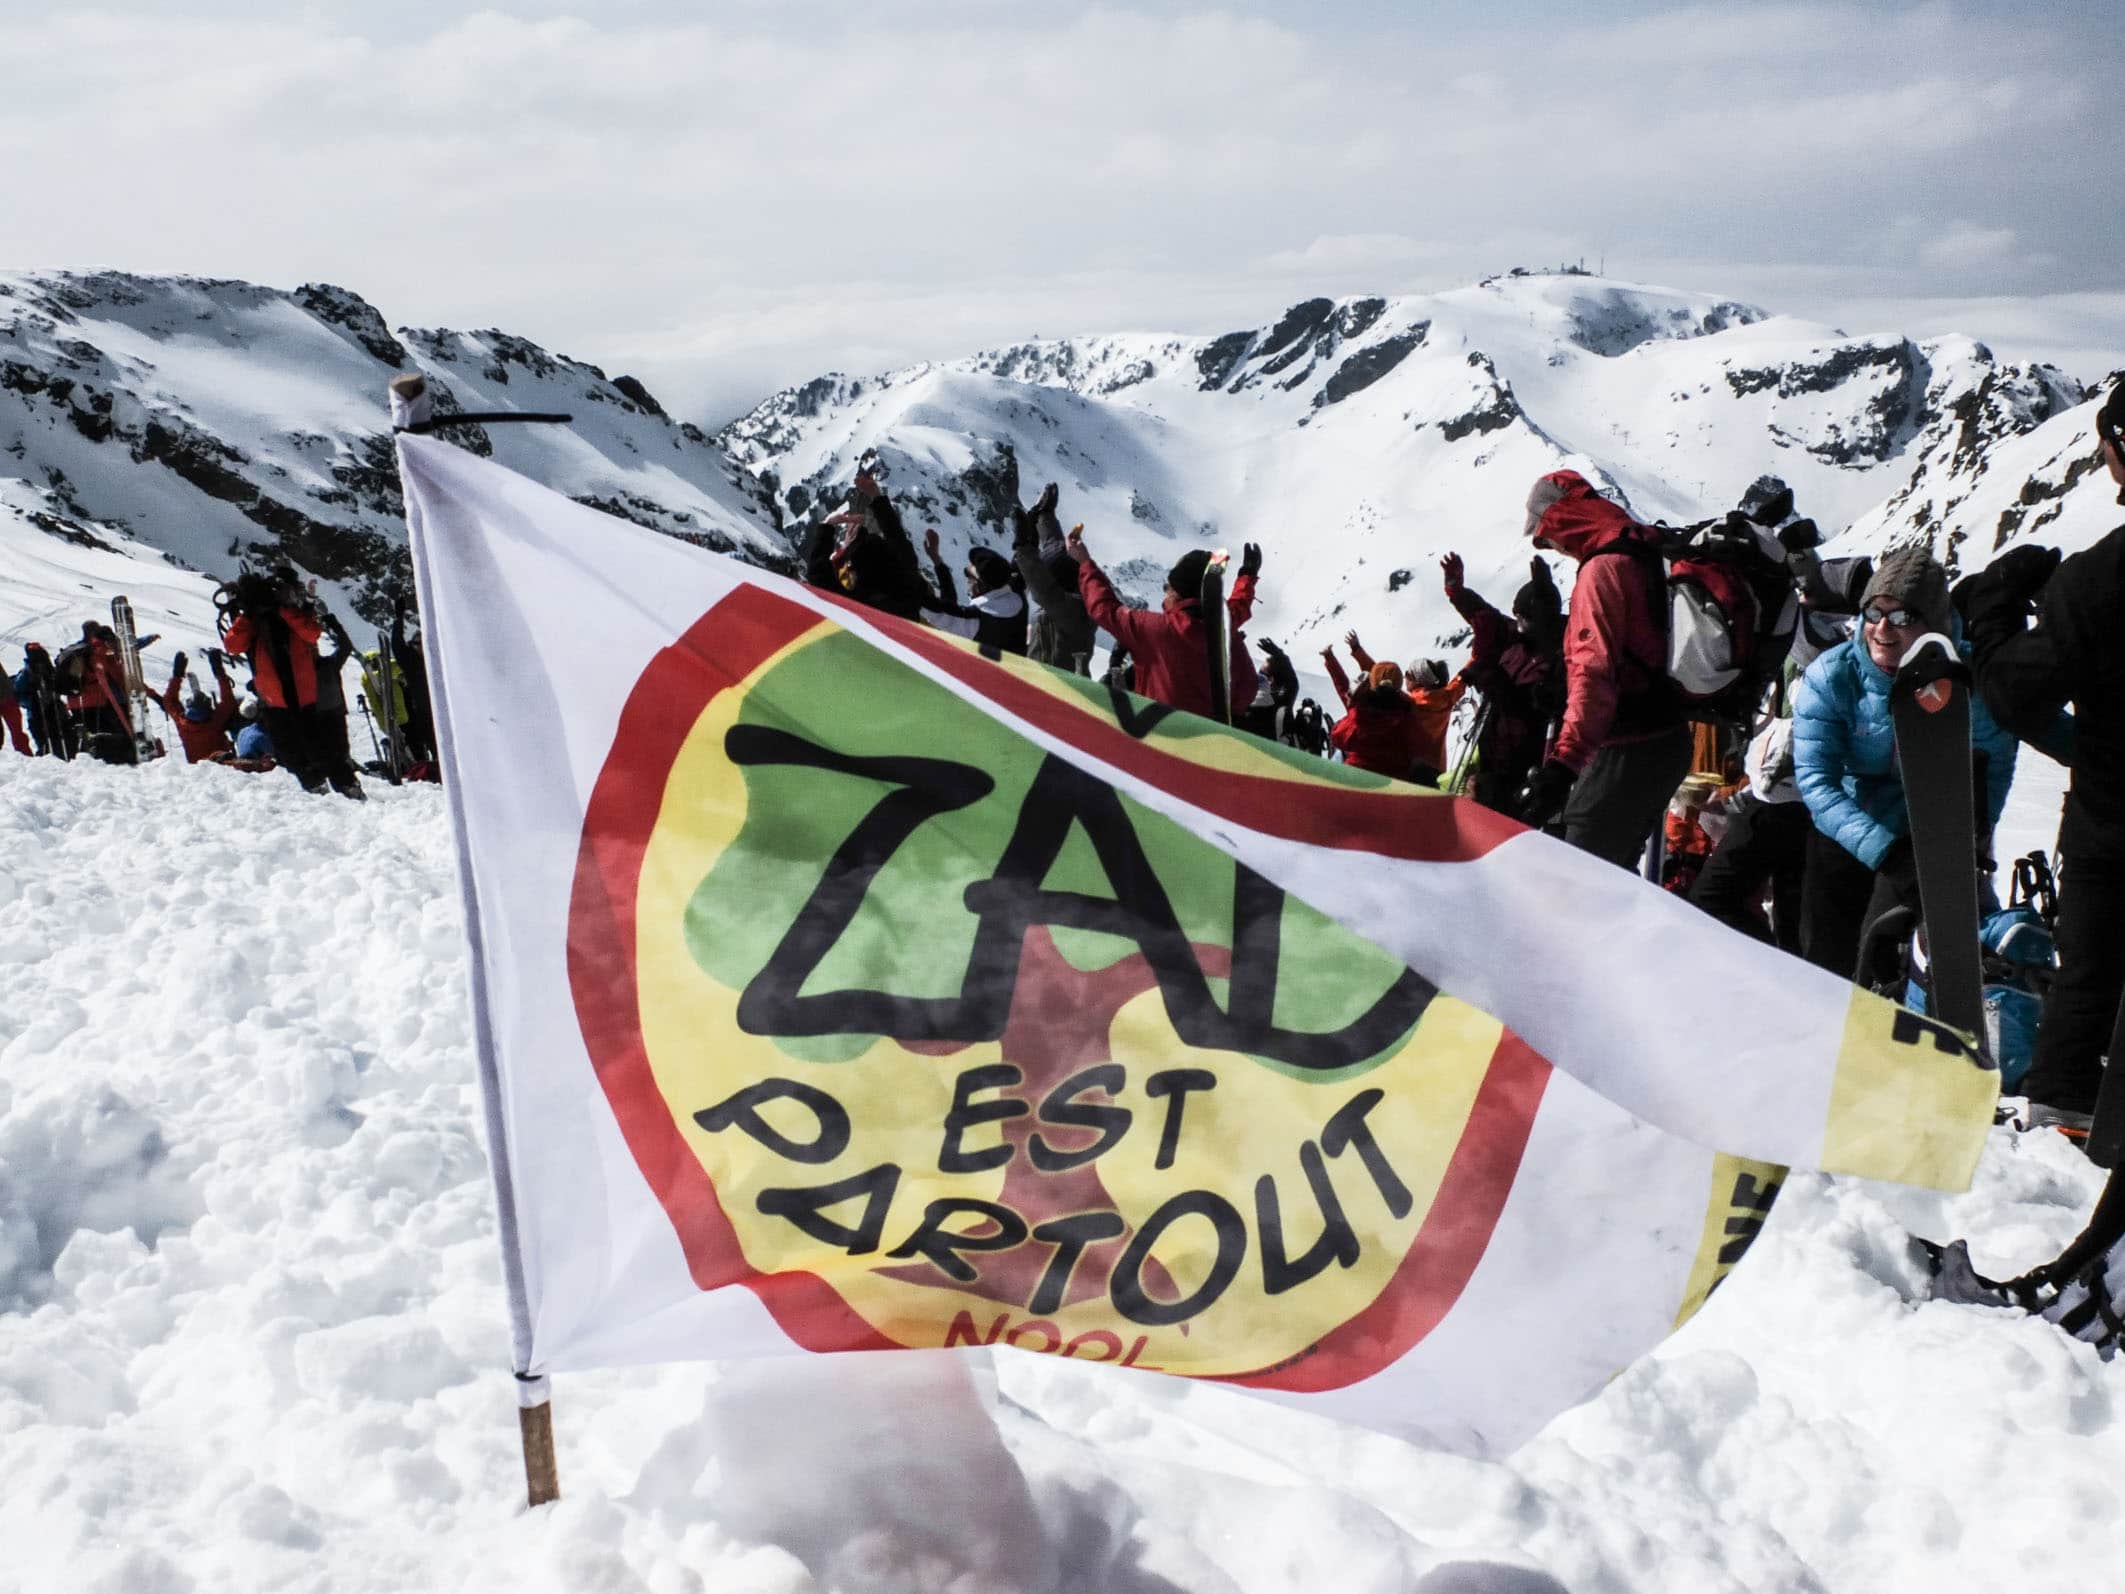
(252,1328)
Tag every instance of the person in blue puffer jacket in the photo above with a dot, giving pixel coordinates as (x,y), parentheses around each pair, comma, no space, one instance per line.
(1844,760)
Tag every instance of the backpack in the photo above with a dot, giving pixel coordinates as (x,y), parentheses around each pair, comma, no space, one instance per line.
(2019,960)
(1733,607)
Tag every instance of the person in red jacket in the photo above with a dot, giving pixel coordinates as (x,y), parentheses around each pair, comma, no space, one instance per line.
(1623,747)
(202,725)
(1171,648)
(95,686)
(1517,665)
(1380,729)
(1433,696)
(11,715)
(275,630)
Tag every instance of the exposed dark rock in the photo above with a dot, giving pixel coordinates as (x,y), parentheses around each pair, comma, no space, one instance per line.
(1220,358)
(1368,365)
(638,394)
(349,311)
(992,482)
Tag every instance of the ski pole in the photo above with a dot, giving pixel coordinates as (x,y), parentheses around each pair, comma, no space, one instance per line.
(369,720)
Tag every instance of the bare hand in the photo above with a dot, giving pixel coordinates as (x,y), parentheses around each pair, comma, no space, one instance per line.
(929,542)
(1074,545)
(1452,569)
(1350,641)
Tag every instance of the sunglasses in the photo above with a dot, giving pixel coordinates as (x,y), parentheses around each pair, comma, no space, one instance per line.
(1898,618)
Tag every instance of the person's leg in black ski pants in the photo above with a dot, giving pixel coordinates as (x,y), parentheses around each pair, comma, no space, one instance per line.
(2083,1004)
(1765,843)
(1833,905)
(289,730)
(1616,803)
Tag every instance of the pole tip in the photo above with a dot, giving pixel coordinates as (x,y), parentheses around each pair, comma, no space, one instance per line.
(411,402)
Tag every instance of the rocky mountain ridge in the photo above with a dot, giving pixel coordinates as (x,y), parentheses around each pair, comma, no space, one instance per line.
(1357,439)
(230,424)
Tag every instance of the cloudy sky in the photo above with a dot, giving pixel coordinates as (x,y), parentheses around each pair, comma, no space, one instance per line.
(728,197)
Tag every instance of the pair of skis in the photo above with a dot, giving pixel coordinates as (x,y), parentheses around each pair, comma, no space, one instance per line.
(132,682)
(1217,635)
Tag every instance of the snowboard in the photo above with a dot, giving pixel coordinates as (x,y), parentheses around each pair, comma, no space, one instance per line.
(131,681)
(1929,705)
(1217,636)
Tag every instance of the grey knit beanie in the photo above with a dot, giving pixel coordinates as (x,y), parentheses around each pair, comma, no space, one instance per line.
(1912,578)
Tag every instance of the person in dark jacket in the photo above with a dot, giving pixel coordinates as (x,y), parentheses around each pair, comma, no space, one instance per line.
(994,615)
(1061,633)
(1170,649)
(1380,729)
(1623,746)
(1860,861)
(37,684)
(864,550)
(1516,666)
(2026,675)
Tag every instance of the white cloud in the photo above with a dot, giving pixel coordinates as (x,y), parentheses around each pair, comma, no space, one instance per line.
(643,180)
(1962,244)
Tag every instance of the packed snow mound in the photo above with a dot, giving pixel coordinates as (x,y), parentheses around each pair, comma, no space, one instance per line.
(252,1327)
(1359,439)
(222,422)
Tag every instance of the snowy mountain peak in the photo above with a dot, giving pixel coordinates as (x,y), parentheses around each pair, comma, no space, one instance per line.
(228,423)
(1358,438)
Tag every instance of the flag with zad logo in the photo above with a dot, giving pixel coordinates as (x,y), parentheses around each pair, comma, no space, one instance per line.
(838,988)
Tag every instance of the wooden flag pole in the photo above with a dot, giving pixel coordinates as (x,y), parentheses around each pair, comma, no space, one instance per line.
(542,1474)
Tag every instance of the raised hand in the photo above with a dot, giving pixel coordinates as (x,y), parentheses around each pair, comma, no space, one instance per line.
(929,542)
(1452,569)
(1251,559)
(1350,641)
(1074,545)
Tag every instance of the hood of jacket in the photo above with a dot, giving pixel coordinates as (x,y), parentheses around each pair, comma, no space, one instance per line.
(1566,513)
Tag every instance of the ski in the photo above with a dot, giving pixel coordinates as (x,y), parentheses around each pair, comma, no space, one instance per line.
(1929,705)
(1217,634)
(1464,766)
(387,705)
(132,682)
(2106,1135)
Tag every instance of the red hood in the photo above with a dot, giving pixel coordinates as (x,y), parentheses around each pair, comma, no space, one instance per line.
(1581,522)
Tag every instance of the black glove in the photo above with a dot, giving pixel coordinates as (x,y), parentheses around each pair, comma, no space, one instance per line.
(1546,792)
(1251,559)
(2007,584)
(1022,534)
(1270,648)
(177,666)
(1899,866)
(1045,504)
(2024,570)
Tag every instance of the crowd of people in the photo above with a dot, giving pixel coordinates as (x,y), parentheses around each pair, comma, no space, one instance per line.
(1787,822)
(92,700)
